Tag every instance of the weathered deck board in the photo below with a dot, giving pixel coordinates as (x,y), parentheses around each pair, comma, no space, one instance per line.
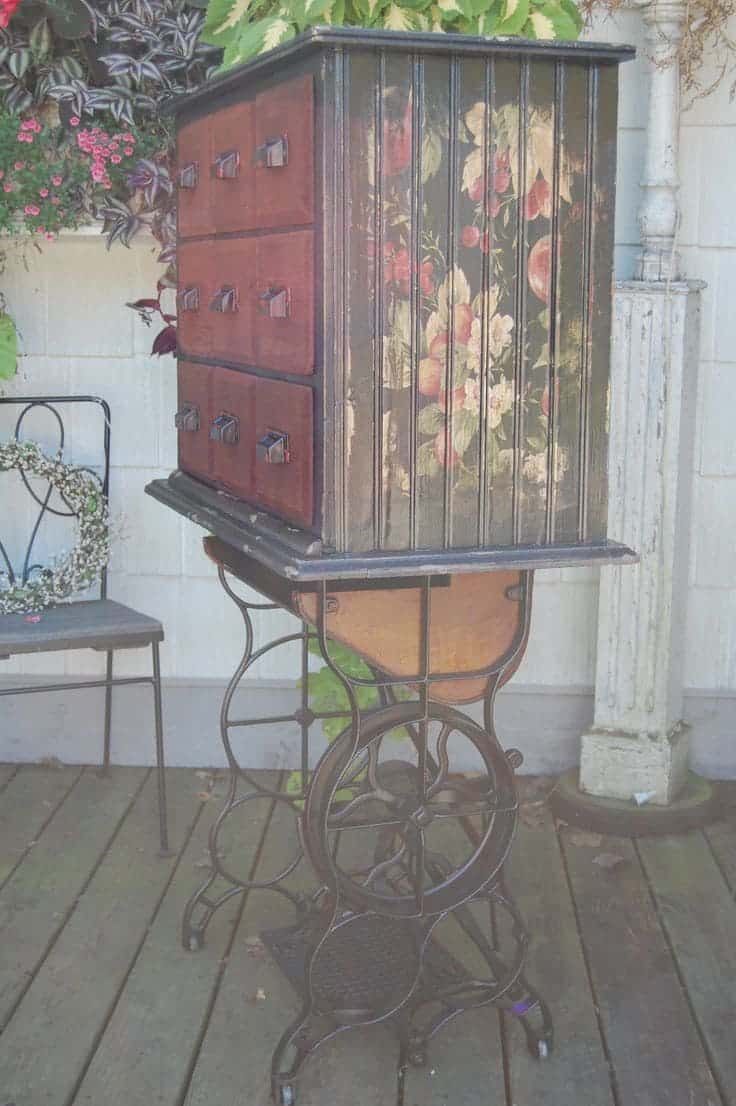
(654,1046)
(556,968)
(37,898)
(722,840)
(44,1050)
(108,984)
(471,1043)
(699,914)
(146,1051)
(360,1062)
(29,801)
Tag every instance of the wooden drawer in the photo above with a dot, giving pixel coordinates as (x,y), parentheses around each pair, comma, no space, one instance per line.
(193,416)
(283,432)
(284,128)
(231,430)
(231,305)
(194,265)
(284,322)
(232,172)
(194,155)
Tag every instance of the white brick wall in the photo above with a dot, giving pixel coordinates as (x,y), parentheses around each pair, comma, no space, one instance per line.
(78,337)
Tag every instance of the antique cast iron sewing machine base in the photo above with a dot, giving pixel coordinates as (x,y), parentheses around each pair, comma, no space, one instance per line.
(408,920)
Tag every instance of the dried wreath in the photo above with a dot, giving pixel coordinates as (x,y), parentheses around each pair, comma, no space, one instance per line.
(81,491)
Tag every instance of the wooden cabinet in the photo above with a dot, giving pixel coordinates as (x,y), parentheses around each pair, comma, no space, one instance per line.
(395,258)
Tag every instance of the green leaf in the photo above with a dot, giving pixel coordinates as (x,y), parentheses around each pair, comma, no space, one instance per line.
(224,20)
(8,347)
(398,18)
(571,9)
(551,21)
(427,463)
(19,61)
(464,427)
(308,12)
(513,16)
(431,419)
(40,39)
(431,154)
(257,38)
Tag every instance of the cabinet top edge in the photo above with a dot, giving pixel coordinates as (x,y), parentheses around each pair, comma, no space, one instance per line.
(429,42)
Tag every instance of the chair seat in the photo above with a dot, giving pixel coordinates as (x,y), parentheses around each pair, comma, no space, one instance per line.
(86,624)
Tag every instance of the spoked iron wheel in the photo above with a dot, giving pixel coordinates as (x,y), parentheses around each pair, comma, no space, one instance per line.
(406,835)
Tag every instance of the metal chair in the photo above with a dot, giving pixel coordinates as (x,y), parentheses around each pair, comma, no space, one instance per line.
(99,624)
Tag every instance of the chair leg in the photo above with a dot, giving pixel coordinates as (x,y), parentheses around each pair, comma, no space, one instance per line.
(108,714)
(160,766)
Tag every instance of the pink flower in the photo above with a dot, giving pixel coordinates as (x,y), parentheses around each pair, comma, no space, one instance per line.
(470,236)
(502,172)
(27,125)
(114,146)
(55,201)
(74,121)
(31,209)
(19,165)
(115,159)
(56,179)
(7,187)
(43,193)
(476,190)
(128,137)
(97,173)
(128,151)
(49,236)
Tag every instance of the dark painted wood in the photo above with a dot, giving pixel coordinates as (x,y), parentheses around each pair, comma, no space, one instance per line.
(698,912)
(40,895)
(147,1048)
(556,967)
(87,624)
(47,1045)
(654,1047)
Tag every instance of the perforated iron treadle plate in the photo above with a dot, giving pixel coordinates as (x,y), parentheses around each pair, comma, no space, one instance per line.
(367,966)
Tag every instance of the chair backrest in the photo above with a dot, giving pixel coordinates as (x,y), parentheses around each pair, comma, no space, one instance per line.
(53,409)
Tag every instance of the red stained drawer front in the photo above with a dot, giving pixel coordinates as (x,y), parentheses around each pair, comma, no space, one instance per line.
(232,183)
(231,306)
(193,418)
(193,178)
(285,193)
(233,395)
(285,489)
(194,264)
(285,337)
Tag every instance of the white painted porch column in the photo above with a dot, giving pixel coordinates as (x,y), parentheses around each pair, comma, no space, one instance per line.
(638,744)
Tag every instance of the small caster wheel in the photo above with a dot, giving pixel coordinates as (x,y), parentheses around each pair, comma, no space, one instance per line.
(287,1096)
(196,941)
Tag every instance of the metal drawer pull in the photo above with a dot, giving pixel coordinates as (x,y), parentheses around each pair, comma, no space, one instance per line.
(227,165)
(188,299)
(274,153)
(225,429)
(274,302)
(187,417)
(273,448)
(189,175)
(225,300)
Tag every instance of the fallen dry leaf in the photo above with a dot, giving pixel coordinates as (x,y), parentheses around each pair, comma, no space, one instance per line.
(609,860)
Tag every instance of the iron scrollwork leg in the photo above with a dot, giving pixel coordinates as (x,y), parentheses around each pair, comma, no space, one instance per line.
(410,923)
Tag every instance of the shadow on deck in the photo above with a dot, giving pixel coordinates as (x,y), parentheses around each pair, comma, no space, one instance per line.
(634,947)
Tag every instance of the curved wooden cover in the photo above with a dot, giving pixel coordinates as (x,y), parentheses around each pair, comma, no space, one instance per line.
(474,624)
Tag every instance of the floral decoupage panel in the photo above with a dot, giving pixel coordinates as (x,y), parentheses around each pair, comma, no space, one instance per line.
(476,374)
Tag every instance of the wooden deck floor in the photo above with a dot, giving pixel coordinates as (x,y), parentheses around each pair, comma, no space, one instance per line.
(634,948)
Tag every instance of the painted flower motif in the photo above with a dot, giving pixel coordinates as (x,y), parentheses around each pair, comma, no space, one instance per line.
(539,268)
(470,236)
(500,401)
(539,200)
(397,134)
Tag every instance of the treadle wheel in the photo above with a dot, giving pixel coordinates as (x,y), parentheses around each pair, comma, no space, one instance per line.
(398,814)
